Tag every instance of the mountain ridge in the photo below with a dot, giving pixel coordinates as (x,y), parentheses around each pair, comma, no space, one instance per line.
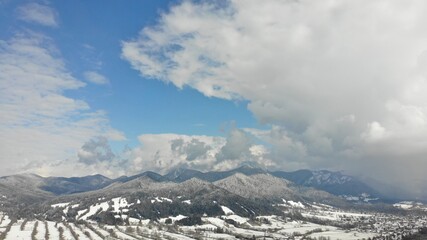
(247,191)
(335,183)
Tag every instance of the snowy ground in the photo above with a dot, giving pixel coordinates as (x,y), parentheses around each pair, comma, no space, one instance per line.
(228,226)
(334,215)
(16,232)
(147,230)
(350,235)
(4,220)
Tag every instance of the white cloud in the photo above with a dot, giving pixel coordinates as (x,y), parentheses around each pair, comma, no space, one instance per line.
(375,132)
(96,78)
(96,150)
(237,146)
(163,152)
(284,152)
(193,150)
(320,70)
(39,125)
(38,13)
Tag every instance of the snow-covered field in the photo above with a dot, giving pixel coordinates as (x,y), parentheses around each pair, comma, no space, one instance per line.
(16,232)
(340,234)
(146,230)
(4,220)
(333,215)
(228,226)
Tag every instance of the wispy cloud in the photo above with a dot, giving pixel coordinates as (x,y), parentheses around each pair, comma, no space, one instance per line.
(38,13)
(91,57)
(96,78)
(39,125)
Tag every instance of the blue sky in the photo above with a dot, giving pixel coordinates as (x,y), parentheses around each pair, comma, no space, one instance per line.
(122,87)
(89,39)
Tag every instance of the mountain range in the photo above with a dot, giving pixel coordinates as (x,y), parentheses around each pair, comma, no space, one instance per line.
(333,182)
(246,190)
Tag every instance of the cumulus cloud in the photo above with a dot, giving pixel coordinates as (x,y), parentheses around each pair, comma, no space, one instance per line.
(96,78)
(164,152)
(344,81)
(193,149)
(237,146)
(96,150)
(38,13)
(39,125)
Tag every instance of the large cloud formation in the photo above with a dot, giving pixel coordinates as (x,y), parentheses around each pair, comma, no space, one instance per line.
(342,82)
(164,152)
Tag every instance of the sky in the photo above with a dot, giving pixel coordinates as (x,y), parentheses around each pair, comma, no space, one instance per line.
(118,88)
